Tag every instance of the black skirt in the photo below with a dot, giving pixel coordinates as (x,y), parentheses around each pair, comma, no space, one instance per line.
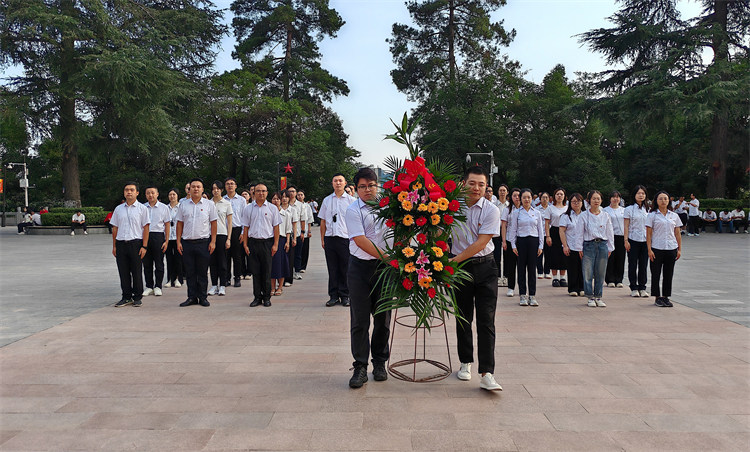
(556,256)
(280,263)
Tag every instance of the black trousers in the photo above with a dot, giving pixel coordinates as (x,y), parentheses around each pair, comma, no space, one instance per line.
(130,268)
(509,265)
(305,253)
(480,295)
(298,254)
(23,226)
(74,226)
(365,292)
(694,224)
(195,257)
(497,253)
(234,255)
(739,223)
(337,261)
(616,262)
(637,261)
(664,261)
(218,263)
(542,261)
(260,267)
(290,260)
(527,248)
(154,259)
(174,263)
(555,256)
(575,272)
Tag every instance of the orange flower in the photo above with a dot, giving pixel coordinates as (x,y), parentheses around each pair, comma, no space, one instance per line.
(410,267)
(408,251)
(438,252)
(432,207)
(402,196)
(425,282)
(442,204)
(408,220)
(422,207)
(406,205)
(435,219)
(438,266)
(416,186)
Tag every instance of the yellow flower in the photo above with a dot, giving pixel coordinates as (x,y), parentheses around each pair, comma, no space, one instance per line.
(438,266)
(406,205)
(435,219)
(408,252)
(425,282)
(402,196)
(421,207)
(410,267)
(438,252)
(416,186)
(442,204)
(432,207)
(408,220)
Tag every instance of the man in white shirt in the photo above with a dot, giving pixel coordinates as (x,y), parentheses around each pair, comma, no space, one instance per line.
(738,219)
(694,216)
(196,240)
(36,219)
(725,221)
(78,221)
(130,227)
(260,222)
(472,242)
(309,220)
(297,236)
(158,231)
(334,238)
(710,219)
(236,248)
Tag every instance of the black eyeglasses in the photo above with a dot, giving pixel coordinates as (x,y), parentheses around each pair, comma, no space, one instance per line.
(367,187)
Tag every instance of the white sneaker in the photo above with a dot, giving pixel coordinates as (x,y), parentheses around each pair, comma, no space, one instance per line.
(635,293)
(148,292)
(488,382)
(532,301)
(619,285)
(573,294)
(464,372)
(177,284)
(611,284)
(287,284)
(548,276)
(297,276)
(539,276)
(581,294)
(21,233)
(302,271)
(600,303)
(157,291)
(212,290)
(643,293)
(524,301)
(592,303)
(509,293)
(85,233)
(72,232)
(222,290)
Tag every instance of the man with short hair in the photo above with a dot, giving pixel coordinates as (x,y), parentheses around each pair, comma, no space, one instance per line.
(234,256)
(78,221)
(710,219)
(472,242)
(307,232)
(158,231)
(196,240)
(334,238)
(130,227)
(260,222)
(738,219)
(187,194)
(694,216)
(725,221)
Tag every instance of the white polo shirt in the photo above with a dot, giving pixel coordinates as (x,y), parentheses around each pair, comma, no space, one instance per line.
(554,214)
(238,203)
(662,229)
(196,218)
(223,210)
(285,227)
(637,226)
(738,214)
(481,218)
(294,210)
(526,223)
(335,206)
(158,216)
(573,230)
(618,219)
(173,224)
(598,227)
(77,217)
(725,216)
(709,215)
(694,208)
(361,219)
(129,220)
(260,219)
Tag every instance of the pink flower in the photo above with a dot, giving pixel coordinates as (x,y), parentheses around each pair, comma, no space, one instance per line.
(422,259)
(413,196)
(422,273)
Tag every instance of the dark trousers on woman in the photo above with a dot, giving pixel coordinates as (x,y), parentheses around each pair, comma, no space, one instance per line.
(195,258)
(365,291)
(305,253)
(542,261)
(289,278)
(234,256)
(497,254)
(174,263)
(480,295)
(298,254)
(260,267)
(153,261)
(218,263)
(556,257)
(616,262)
(509,265)
(664,261)
(637,260)
(130,268)
(575,272)
(337,260)
(527,249)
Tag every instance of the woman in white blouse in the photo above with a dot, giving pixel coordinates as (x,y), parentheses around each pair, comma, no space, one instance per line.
(542,261)
(218,262)
(616,262)
(634,224)
(598,243)
(509,259)
(280,261)
(556,258)
(526,236)
(174,259)
(502,204)
(664,243)
(571,235)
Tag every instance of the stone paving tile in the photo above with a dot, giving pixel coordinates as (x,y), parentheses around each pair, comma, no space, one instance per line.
(598,422)
(255,439)
(32,404)
(669,441)
(738,405)
(369,440)
(693,423)
(564,441)
(517,422)
(453,440)
(128,421)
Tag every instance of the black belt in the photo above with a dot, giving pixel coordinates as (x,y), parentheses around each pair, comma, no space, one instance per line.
(195,240)
(481,259)
(597,240)
(260,240)
(130,241)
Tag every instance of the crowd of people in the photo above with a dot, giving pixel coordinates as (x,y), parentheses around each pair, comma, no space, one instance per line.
(696,220)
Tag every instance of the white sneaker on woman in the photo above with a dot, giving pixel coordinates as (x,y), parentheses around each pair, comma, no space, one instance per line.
(509,293)
(635,294)
(213,290)
(488,382)
(464,372)
(524,301)
(643,293)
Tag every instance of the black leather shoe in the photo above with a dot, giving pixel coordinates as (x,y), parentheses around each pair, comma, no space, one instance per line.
(266,303)
(359,378)
(237,283)
(660,302)
(345,301)
(256,302)
(188,302)
(332,302)
(667,303)
(378,372)
(563,283)
(204,302)
(555,283)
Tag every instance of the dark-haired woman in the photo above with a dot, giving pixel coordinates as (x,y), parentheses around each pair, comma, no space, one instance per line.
(616,261)
(664,243)
(542,261)
(571,234)
(174,259)
(509,258)
(634,224)
(598,244)
(280,260)
(218,261)
(556,209)
(502,204)
(526,235)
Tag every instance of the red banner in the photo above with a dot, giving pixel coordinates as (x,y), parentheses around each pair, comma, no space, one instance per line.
(282,183)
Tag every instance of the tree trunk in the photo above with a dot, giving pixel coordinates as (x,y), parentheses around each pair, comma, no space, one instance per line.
(451,42)
(70,175)
(287,59)
(717,174)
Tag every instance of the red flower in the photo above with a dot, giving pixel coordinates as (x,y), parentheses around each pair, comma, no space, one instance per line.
(454,205)
(449,185)
(421,221)
(431,292)
(384,201)
(390,223)
(396,189)
(421,238)
(442,245)
(394,263)
(448,219)
(448,285)
(435,195)
(388,185)
(449,269)
(398,244)
(407,283)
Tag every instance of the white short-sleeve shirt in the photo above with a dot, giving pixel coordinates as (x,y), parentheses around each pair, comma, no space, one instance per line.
(333,211)
(158,216)
(523,223)
(77,217)
(260,220)
(554,214)
(361,219)
(285,227)
(662,229)
(598,227)
(173,221)
(709,215)
(196,218)
(238,203)
(618,219)
(573,230)
(129,220)
(223,210)
(637,226)
(694,207)
(481,218)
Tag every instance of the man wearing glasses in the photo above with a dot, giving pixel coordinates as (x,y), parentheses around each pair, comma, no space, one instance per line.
(260,222)
(334,238)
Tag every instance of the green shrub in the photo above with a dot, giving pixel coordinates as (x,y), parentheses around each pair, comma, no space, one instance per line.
(71,210)
(719,204)
(61,216)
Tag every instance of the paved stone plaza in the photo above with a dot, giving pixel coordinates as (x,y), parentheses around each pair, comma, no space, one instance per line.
(78,374)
